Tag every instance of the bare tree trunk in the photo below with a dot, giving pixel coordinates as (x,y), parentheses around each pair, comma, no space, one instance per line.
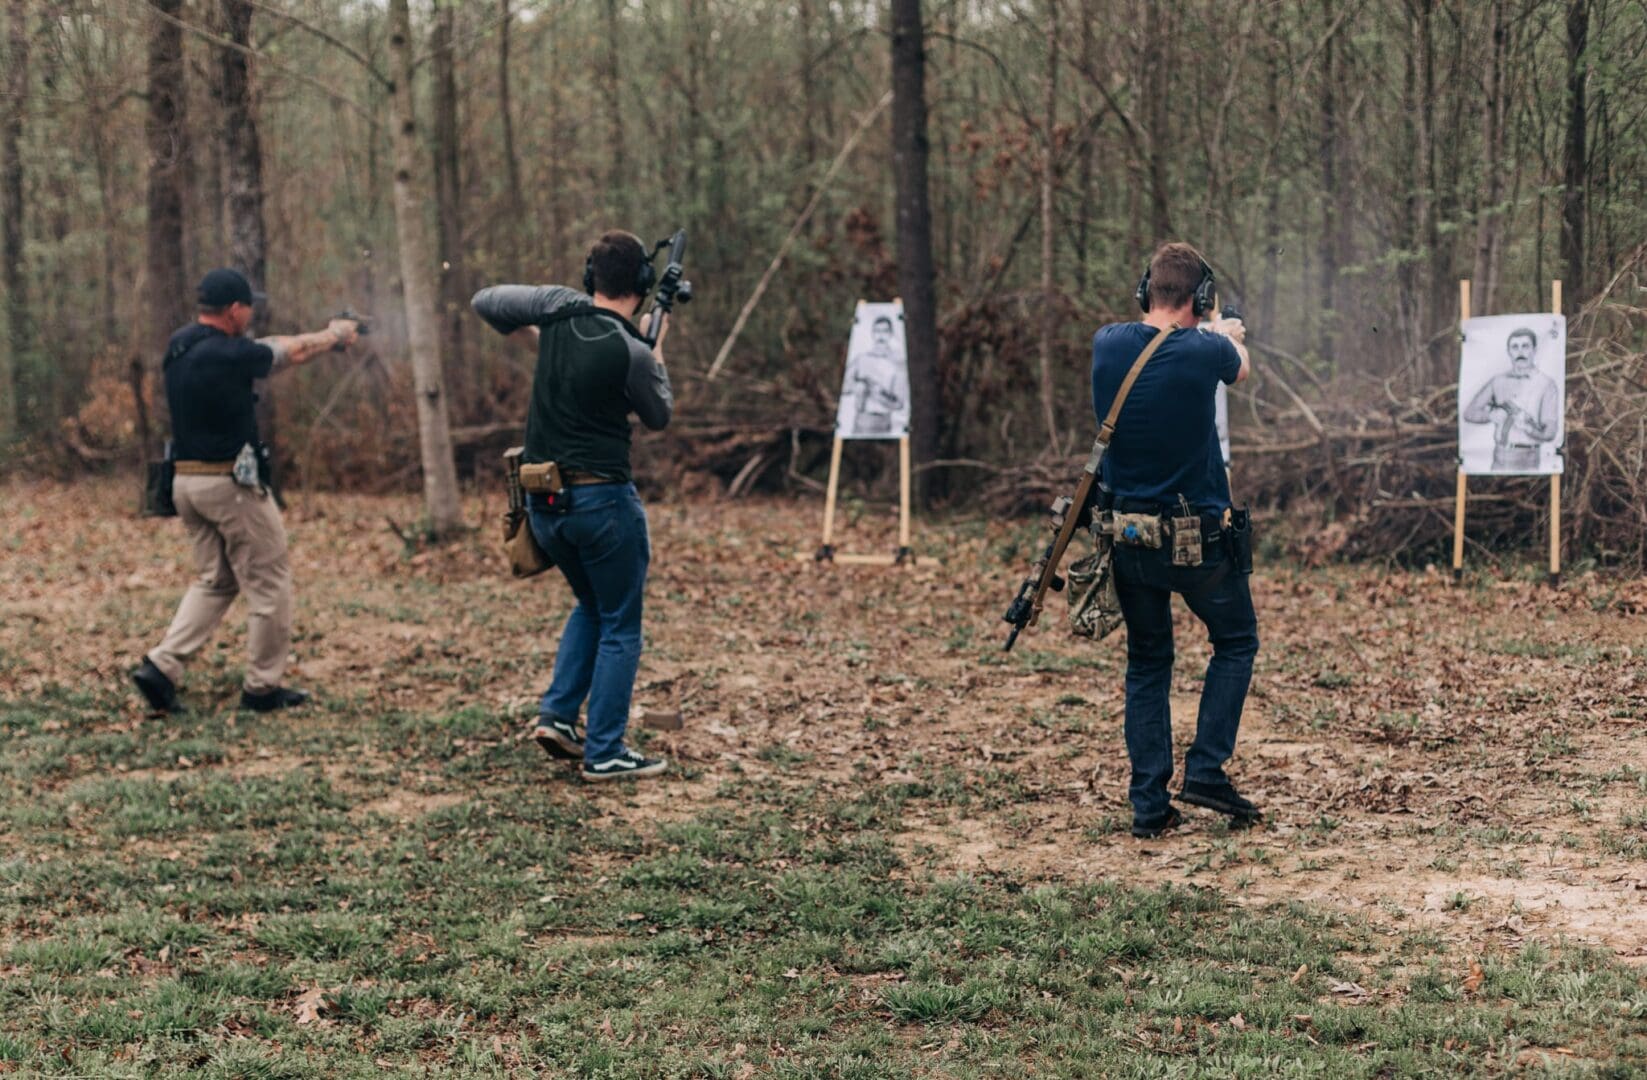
(1574,179)
(1272,210)
(617,168)
(11,194)
(454,299)
(555,234)
(1331,193)
(809,88)
(1156,46)
(910,149)
(1488,217)
(243,186)
(168,294)
(1084,208)
(511,158)
(1049,225)
(417,271)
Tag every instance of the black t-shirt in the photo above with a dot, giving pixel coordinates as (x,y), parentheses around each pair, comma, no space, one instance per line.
(1166,440)
(209,389)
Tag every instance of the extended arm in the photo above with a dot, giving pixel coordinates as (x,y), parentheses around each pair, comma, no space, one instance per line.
(294,349)
(1236,331)
(508,308)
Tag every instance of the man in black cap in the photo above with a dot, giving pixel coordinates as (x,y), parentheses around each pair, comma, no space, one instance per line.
(239,538)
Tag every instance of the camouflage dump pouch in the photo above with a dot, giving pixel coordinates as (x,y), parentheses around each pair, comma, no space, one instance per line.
(1136,530)
(1094,607)
(520,547)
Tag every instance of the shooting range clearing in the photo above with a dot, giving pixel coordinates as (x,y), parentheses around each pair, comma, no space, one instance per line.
(883,842)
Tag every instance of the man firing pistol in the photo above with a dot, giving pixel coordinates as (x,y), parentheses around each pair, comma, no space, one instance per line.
(1167,499)
(222,493)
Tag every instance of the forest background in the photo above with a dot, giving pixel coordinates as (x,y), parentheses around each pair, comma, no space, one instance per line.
(1344,164)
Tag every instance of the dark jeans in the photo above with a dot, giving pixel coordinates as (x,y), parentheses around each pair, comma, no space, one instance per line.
(602,548)
(1145,579)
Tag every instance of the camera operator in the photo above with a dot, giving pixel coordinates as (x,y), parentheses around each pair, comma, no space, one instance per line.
(1164,461)
(239,537)
(593,370)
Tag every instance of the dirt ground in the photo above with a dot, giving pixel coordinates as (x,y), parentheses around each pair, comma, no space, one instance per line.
(1468,758)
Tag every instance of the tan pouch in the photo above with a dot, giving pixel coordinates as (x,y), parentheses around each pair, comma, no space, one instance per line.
(541,478)
(520,547)
(1137,530)
(526,558)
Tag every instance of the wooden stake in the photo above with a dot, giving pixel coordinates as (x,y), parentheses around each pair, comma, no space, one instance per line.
(827,551)
(1463,481)
(1555,478)
(1555,529)
(904,550)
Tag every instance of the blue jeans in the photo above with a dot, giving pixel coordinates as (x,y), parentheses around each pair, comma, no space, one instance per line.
(1145,580)
(601,546)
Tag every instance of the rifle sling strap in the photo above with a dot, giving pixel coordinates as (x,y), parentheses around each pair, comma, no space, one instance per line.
(1089,475)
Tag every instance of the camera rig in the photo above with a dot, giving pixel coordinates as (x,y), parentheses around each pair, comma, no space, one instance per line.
(672,287)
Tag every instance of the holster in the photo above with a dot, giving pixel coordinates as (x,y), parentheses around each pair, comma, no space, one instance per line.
(1238,539)
(157,487)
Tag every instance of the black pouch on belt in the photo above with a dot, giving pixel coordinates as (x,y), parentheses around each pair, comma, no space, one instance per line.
(1238,538)
(157,489)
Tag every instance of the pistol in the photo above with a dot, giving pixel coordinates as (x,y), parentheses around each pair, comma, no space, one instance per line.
(363,326)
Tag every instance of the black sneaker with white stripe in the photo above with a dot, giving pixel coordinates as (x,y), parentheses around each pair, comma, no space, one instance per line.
(559,738)
(627,765)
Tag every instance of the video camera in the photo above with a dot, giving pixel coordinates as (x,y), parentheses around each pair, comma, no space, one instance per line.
(672,288)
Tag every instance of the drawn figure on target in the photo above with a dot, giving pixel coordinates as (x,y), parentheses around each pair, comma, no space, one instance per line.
(1523,404)
(877,382)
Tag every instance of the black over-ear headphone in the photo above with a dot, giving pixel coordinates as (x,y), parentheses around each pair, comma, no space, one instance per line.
(1204,299)
(644,279)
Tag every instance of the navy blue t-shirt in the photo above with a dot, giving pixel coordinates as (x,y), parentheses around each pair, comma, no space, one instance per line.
(1165,442)
(209,390)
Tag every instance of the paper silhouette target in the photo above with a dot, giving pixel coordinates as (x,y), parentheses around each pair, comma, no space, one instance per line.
(875,393)
(1512,395)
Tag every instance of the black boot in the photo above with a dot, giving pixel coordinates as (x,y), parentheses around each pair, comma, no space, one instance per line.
(281,697)
(1223,798)
(155,687)
(1149,830)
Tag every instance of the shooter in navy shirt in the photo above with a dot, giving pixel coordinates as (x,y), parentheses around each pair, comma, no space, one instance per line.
(234,526)
(1164,456)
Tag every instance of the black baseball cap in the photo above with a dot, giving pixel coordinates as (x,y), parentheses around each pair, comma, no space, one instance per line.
(220,288)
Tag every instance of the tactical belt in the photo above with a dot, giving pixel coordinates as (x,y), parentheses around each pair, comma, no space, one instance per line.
(204,468)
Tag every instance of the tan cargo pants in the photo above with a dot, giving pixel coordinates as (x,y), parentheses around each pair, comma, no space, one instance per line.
(239,547)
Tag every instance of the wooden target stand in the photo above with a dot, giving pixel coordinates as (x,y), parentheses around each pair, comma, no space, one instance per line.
(1463,480)
(904,556)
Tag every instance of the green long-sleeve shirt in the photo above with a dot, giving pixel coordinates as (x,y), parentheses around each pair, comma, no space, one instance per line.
(592,372)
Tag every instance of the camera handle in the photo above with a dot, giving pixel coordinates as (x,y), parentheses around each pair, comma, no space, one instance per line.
(671,287)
